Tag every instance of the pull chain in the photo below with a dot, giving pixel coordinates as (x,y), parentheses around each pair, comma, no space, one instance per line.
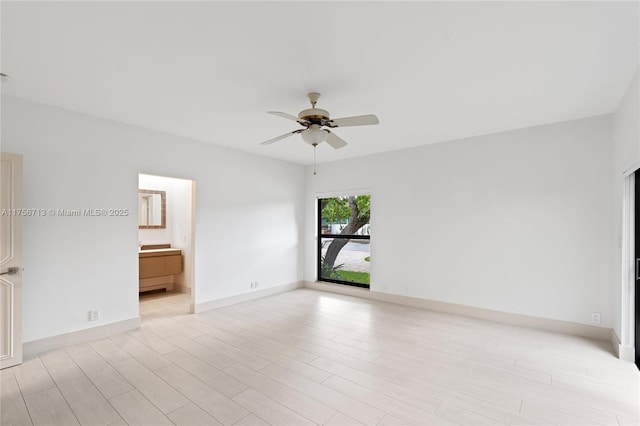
(315,145)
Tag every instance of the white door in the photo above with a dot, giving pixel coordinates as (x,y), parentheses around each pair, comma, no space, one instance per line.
(10,259)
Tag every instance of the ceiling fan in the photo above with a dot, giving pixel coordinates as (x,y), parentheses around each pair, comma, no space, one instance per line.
(315,122)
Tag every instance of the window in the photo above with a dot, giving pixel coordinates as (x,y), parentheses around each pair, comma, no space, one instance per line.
(343,240)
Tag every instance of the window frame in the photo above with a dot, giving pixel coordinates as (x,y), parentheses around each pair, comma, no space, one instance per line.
(340,236)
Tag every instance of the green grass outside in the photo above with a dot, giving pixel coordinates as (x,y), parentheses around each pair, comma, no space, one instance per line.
(353,276)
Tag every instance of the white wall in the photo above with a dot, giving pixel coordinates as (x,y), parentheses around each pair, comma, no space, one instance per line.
(178,219)
(626,159)
(517,222)
(249,212)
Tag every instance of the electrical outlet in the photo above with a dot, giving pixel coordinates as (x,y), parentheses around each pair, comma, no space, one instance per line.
(595,317)
(94,315)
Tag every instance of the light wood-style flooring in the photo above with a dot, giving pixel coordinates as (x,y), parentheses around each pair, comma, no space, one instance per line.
(307,357)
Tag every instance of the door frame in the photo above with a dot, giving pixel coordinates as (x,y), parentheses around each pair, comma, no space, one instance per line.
(191,264)
(14,356)
(626,349)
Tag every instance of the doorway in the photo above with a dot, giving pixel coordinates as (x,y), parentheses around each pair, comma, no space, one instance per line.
(11,259)
(636,292)
(166,231)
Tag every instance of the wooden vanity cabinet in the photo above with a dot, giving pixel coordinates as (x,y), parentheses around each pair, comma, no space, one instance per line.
(158,263)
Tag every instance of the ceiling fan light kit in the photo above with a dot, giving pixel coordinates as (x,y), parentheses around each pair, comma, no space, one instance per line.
(317,122)
(314,135)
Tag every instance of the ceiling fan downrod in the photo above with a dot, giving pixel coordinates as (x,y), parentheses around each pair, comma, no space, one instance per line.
(313,97)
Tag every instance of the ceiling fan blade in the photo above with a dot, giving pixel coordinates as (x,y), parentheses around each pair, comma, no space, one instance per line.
(286,135)
(335,141)
(359,120)
(283,115)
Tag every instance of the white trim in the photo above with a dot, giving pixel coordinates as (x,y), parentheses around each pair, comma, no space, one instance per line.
(625,353)
(558,326)
(615,343)
(192,261)
(627,308)
(244,297)
(343,193)
(61,340)
(631,169)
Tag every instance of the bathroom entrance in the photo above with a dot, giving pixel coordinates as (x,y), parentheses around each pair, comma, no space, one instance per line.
(636,286)
(166,208)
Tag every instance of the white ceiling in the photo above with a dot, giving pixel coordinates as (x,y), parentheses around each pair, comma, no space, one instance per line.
(431,71)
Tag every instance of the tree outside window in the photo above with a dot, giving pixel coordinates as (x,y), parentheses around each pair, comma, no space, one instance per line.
(344,240)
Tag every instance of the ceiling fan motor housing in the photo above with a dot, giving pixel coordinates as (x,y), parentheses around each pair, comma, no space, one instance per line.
(314,115)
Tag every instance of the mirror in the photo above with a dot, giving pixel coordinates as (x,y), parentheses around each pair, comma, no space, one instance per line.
(152,208)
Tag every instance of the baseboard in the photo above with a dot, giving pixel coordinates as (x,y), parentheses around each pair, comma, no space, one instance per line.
(615,343)
(558,326)
(181,288)
(88,334)
(624,352)
(244,297)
